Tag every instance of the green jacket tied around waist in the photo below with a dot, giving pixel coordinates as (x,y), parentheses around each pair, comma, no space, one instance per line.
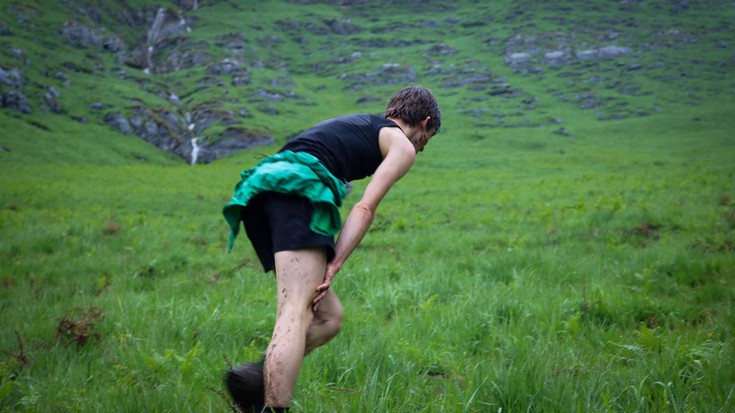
(296,173)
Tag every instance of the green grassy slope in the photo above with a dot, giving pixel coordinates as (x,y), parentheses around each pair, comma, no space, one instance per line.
(513,269)
(308,62)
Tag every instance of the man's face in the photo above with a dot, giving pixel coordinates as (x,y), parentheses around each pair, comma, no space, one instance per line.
(424,136)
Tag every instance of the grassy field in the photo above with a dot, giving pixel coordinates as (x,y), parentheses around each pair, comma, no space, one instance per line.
(513,270)
(522,271)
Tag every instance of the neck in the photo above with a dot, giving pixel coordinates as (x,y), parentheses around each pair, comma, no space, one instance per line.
(409,131)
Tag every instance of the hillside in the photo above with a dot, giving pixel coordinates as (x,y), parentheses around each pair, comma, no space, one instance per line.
(202,79)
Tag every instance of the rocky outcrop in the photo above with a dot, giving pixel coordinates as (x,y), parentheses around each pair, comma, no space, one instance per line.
(387,74)
(232,140)
(11,90)
(174,133)
(81,36)
(165,48)
(524,60)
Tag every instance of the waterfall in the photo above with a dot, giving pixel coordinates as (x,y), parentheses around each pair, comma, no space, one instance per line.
(194,141)
(182,22)
(148,60)
(152,35)
(194,150)
(156,27)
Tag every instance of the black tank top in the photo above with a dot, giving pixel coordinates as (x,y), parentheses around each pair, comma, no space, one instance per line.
(348,146)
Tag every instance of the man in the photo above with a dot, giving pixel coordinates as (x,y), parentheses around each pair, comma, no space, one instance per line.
(288,206)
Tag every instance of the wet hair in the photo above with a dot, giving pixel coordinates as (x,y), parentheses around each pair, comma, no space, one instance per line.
(412,104)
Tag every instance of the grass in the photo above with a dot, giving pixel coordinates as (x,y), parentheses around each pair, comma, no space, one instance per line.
(512,270)
(565,274)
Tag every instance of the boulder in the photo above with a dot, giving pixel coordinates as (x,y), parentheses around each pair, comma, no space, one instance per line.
(613,52)
(556,58)
(517,60)
(119,122)
(225,66)
(81,36)
(11,78)
(14,99)
(604,53)
(233,140)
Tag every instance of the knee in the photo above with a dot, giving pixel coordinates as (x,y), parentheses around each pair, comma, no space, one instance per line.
(333,321)
(291,313)
(336,321)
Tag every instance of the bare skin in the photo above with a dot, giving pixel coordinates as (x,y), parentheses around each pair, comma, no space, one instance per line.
(297,274)
(309,313)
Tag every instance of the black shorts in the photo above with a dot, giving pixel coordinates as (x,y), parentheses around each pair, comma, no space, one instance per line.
(279,222)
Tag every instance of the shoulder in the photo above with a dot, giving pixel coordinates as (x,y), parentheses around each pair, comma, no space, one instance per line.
(393,140)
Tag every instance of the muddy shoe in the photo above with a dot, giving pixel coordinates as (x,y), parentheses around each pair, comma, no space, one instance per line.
(245,384)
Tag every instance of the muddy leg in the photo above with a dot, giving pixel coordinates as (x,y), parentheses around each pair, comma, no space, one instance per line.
(326,323)
(298,273)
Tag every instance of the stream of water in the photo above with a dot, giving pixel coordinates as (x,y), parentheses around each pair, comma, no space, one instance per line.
(152,35)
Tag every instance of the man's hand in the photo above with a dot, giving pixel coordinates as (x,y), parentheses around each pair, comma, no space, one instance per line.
(322,288)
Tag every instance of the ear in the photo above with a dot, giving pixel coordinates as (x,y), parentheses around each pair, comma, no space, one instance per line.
(425,122)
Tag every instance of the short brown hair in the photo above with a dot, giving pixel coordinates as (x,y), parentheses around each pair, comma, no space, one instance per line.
(412,104)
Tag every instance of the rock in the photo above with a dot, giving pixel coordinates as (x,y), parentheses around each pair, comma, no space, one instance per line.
(342,27)
(165,49)
(262,93)
(14,99)
(11,90)
(135,59)
(605,53)
(113,44)
(441,50)
(15,51)
(233,139)
(388,74)
(172,133)
(613,52)
(502,89)
(368,99)
(188,4)
(241,78)
(555,121)
(586,54)
(11,78)
(517,60)
(51,101)
(268,110)
(64,79)
(119,122)
(79,35)
(5,30)
(234,42)
(225,66)
(174,99)
(178,54)
(562,131)
(53,92)
(556,58)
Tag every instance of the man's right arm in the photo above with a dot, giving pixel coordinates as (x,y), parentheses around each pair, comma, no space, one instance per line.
(398,160)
